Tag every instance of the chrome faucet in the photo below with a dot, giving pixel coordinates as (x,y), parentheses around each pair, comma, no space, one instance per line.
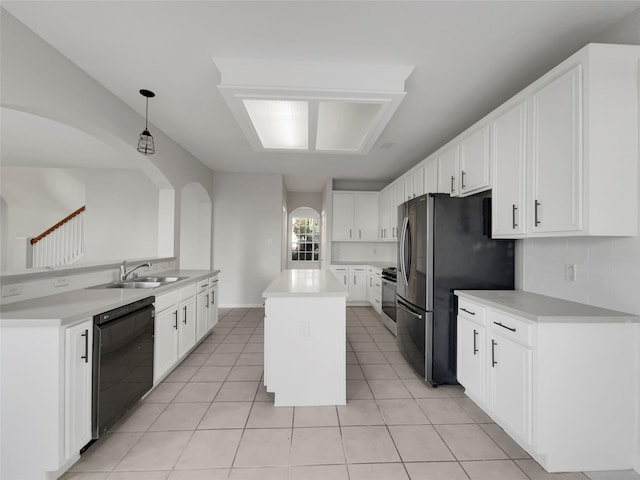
(124,273)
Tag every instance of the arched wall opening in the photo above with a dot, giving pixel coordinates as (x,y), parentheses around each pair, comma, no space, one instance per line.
(195,227)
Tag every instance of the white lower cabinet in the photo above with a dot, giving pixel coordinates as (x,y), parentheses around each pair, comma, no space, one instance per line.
(358,284)
(78,370)
(548,379)
(510,385)
(471,355)
(186,326)
(212,319)
(202,309)
(165,346)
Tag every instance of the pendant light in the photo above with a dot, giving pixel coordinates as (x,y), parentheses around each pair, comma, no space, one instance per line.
(145,143)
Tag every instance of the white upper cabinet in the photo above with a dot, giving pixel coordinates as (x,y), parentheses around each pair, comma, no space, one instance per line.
(414,183)
(431,176)
(508,149)
(474,161)
(448,166)
(355,216)
(565,150)
(556,157)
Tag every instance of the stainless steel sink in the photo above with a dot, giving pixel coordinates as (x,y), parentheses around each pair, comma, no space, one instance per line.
(142,282)
(163,280)
(133,284)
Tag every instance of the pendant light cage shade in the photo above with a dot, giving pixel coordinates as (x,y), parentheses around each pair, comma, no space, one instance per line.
(145,142)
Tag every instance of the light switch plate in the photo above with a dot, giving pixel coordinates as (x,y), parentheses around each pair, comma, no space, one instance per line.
(10,290)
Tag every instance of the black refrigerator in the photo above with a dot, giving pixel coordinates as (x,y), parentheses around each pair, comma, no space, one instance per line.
(444,245)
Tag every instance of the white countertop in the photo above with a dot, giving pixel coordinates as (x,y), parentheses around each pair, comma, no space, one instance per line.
(544,309)
(306,283)
(372,264)
(67,308)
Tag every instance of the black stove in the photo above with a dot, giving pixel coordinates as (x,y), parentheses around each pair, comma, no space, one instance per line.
(390,274)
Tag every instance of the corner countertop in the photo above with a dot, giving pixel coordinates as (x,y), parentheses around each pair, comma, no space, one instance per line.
(67,308)
(305,283)
(544,309)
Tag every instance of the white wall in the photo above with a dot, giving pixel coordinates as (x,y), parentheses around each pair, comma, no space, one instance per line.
(34,200)
(37,79)
(195,228)
(247,238)
(121,217)
(304,199)
(608,269)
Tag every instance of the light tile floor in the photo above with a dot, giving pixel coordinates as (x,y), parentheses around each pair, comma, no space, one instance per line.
(212,418)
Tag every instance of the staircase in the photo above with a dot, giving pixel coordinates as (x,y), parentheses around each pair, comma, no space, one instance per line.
(61,244)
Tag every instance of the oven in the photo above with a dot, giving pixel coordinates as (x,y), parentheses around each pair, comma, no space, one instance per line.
(122,361)
(389,316)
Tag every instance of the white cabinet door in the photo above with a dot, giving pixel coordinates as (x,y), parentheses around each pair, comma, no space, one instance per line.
(474,162)
(77,404)
(393,211)
(213,305)
(343,212)
(342,274)
(357,284)
(508,150)
(418,182)
(471,355)
(365,218)
(165,342)
(510,377)
(447,171)
(556,155)
(186,326)
(431,176)
(202,314)
(409,192)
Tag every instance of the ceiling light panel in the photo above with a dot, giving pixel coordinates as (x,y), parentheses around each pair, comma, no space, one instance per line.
(282,124)
(344,126)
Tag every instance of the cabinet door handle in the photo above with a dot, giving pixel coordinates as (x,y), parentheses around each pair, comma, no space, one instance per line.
(462,179)
(493,353)
(359,233)
(185,314)
(475,341)
(452,180)
(513,216)
(345,280)
(207,304)
(86,346)
(213,298)
(175,319)
(536,205)
(354,279)
(504,326)
(370,282)
(467,311)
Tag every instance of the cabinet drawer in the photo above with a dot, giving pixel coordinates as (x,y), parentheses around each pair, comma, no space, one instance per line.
(203,285)
(188,291)
(513,328)
(471,310)
(167,300)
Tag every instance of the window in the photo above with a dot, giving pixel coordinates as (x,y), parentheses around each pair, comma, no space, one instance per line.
(305,239)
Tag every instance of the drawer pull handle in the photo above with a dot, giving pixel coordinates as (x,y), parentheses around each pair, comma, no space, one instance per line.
(493,353)
(467,311)
(504,326)
(475,345)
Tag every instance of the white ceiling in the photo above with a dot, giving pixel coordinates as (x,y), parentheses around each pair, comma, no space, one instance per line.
(469,57)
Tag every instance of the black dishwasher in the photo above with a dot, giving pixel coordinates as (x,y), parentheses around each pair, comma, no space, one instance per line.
(122,361)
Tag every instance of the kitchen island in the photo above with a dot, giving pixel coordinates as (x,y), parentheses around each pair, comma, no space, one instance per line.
(305,338)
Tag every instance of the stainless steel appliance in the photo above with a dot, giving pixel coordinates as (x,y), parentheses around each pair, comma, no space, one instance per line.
(388,317)
(122,361)
(444,244)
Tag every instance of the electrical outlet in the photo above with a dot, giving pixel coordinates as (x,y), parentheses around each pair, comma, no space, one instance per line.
(10,290)
(60,282)
(570,272)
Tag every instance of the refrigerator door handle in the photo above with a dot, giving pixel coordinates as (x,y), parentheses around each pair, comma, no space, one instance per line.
(403,238)
(408,309)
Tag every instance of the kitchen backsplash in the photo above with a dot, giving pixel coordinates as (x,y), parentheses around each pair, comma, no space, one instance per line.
(363,252)
(607,270)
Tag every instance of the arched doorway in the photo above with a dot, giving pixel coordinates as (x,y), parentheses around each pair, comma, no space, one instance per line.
(303,249)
